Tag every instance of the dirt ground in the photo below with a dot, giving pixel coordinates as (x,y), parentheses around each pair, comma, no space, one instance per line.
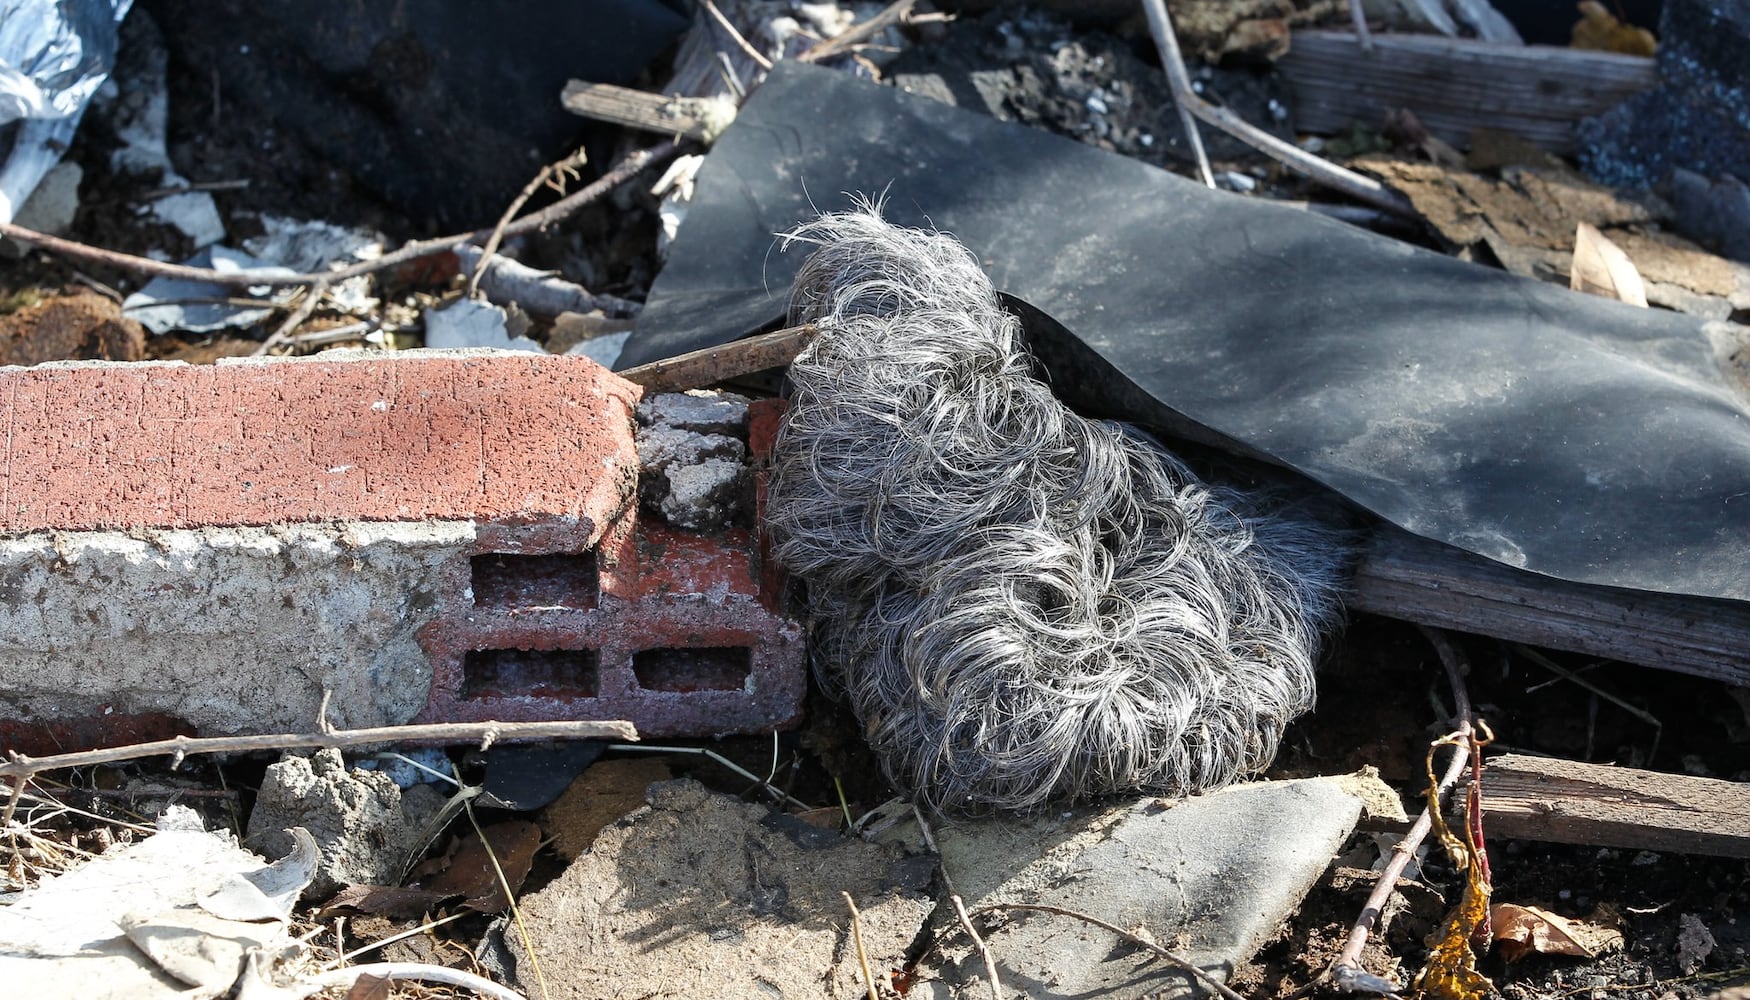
(1382,696)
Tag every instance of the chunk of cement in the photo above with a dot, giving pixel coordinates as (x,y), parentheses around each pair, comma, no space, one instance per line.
(702,894)
(1210,878)
(359,819)
(702,411)
(694,462)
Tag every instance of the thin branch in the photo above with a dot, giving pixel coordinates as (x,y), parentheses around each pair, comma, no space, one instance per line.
(630,166)
(1160,24)
(856,34)
(485,733)
(1320,170)
(1182,964)
(990,962)
(756,55)
(566,167)
(312,298)
(1346,971)
(857,939)
(1358,14)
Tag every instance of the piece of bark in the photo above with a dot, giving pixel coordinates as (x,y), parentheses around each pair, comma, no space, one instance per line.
(1413,579)
(1600,805)
(700,118)
(1455,85)
(712,365)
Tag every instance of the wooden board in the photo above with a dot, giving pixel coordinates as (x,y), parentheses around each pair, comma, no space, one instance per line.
(1409,578)
(1569,802)
(691,117)
(1454,85)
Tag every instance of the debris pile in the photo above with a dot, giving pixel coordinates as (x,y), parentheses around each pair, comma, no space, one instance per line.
(1057,466)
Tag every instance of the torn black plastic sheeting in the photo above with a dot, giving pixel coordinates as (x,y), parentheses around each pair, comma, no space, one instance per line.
(1558,433)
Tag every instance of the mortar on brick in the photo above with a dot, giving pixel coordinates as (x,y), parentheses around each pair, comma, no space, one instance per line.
(231,629)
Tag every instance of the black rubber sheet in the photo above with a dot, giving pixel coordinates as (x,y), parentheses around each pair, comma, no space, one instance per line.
(1560,433)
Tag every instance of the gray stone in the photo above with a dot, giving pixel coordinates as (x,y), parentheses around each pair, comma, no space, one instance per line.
(1210,878)
(706,496)
(694,473)
(701,410)
(360,823)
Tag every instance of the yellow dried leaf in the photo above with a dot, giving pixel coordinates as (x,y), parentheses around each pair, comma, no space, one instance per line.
(1601,268)
(1598,29)
(1519,930)
(1451,971)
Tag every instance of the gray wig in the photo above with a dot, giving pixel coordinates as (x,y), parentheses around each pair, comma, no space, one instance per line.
(1023,605)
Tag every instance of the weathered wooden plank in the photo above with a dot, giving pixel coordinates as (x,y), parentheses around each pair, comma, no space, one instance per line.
(1570,802)
(699,118)
(1413,579)
(1454,85)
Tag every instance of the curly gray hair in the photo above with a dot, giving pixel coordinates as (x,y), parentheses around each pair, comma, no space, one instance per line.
(1022,604)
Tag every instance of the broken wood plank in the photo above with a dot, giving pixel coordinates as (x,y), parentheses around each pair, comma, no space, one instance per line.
(1601,805)
(723,362)
(1413,579)
(701,118)
(1454,85)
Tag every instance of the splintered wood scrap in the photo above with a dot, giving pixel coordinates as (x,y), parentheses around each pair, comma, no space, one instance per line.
(700,118)
(1413,579)
(1601,805)
(1455,85)
(711,365)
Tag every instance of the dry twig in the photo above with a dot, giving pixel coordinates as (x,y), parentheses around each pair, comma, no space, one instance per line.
(856,34)
(1318,169)
(1346,972)
(556,174)
(20,768)
(1182,964)
(630,166)
(990,962)
(737,37)
(857,939)
(1161,26)
(312,298)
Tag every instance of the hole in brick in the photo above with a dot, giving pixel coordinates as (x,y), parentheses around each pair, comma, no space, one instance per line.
(551,673)
(713,668)
(553,580)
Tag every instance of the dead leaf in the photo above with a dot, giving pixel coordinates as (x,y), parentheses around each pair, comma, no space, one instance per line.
(1601,268)
(1520,930)
(384,900)
(471,872)
(369,987)
(1451,970)
(1599,30)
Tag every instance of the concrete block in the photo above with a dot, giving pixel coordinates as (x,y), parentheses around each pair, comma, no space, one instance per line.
(425,535)
(1212,877)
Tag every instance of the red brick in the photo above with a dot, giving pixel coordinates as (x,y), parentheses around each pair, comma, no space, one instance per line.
(394,438)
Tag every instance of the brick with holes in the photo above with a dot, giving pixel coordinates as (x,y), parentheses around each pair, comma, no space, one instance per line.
(425,536)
